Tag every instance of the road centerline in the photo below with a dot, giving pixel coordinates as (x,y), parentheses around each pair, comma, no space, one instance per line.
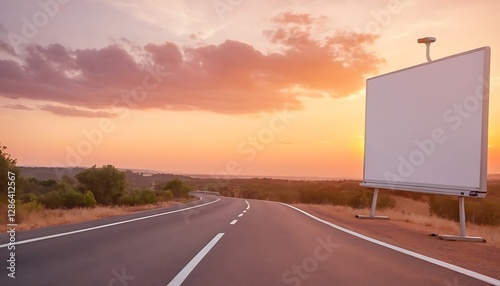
(234,221)
(183,274)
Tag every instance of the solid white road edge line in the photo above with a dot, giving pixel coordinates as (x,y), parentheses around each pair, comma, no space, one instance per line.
(234,221)
(455,268)
(181,276)
(105,225)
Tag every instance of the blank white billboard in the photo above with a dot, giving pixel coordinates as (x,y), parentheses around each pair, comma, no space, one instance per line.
(427,127)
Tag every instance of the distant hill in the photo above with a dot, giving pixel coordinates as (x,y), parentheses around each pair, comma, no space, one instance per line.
(285,178)
(138,181)
(48,173)
(141,180)
(144,178)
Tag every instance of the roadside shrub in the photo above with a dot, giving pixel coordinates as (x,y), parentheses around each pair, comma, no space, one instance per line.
(312,197)
(445,207)
(27,197)
(89,200)
(416,196)
(127,200)
(34,206)
(52,200)
(67,200)
(356,199)
(31,205)
(477,211)
(324,196)
(483,212)
(385,201)
(73,199)
(164,195)
(360,200)
(178,188)
(25,209)
(148,197)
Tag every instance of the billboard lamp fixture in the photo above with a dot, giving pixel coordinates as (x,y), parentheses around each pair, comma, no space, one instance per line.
(427,41)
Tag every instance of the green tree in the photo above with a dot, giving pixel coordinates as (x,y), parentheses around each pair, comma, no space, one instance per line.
(178,188)
(72,199)
(52,200)
(164,195)
(107,183)
(7,164)
(148,197)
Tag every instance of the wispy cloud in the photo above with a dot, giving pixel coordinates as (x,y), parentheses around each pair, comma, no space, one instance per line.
(70,111)
(178,17)
(17,106)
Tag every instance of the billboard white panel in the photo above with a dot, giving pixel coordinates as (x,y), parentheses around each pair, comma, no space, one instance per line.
(427,126)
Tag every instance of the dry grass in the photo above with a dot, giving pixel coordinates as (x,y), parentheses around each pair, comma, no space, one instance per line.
(46,217)
(417,214)
(411,211)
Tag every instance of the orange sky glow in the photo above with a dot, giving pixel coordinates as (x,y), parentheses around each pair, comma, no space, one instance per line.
(241,88)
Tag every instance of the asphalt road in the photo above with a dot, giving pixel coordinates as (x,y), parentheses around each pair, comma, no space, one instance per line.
(218,241)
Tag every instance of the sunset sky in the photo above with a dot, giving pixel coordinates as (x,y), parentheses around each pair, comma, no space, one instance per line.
(268,87)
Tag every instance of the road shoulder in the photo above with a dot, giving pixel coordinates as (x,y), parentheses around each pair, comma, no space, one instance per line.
(479,257)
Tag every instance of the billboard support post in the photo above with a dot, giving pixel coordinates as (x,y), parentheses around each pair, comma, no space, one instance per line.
(462,236)
(461,209)
(373,208)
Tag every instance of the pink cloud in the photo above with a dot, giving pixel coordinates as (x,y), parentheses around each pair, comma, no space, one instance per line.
(167,54)
(295,18)
(232,77)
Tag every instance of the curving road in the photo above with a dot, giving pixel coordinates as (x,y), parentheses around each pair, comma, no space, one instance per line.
(219,241)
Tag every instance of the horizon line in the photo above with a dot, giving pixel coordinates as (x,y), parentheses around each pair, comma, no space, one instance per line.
(296,177)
